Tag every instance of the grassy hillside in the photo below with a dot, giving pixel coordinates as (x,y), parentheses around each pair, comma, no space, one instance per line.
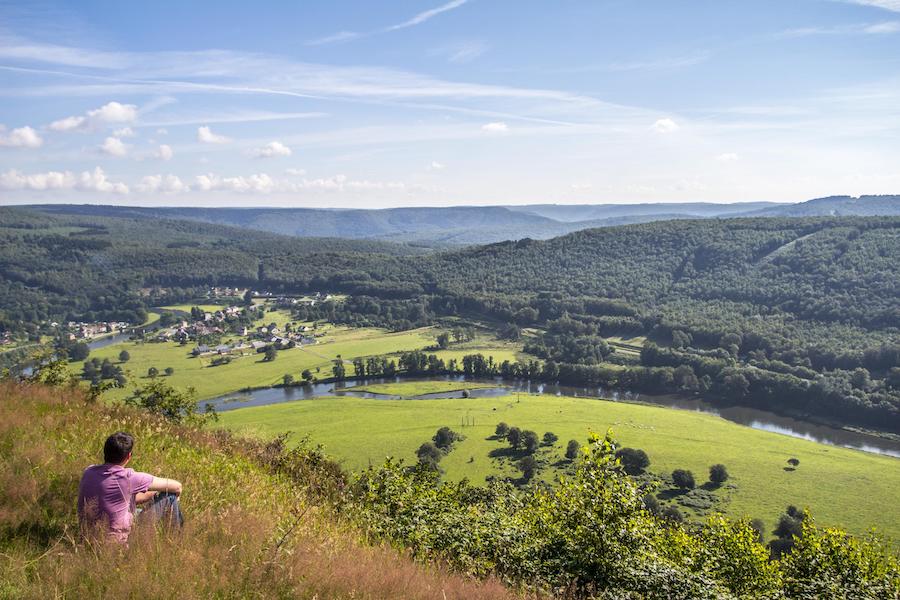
(248,534)
(842,487)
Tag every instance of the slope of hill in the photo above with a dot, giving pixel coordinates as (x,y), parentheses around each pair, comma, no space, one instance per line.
(249,532)
(465,225)
(433,226)
(863,206)
(661,211)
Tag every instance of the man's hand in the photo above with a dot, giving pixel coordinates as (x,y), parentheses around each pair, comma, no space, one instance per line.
(161,484)
(144,497)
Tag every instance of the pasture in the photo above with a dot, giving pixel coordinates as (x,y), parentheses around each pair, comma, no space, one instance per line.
(840,486)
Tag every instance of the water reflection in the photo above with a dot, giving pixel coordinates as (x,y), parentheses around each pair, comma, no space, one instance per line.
(750,417)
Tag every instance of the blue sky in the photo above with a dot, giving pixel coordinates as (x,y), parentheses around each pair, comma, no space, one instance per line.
(447,102)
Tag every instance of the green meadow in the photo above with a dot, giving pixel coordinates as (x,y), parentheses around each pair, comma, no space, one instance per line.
(250,370)
(840,486)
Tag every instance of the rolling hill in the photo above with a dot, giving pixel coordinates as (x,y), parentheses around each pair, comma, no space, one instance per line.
(469,225)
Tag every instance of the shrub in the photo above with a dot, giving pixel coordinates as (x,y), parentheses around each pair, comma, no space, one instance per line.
(683,479)
(550,438)
(718,474)
(514,437)
(634,460)
(572,449)
(528,466)
(445,438)
(428,453)
(530,441)
(501,430)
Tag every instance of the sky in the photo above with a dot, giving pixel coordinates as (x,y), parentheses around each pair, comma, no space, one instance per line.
(371,104)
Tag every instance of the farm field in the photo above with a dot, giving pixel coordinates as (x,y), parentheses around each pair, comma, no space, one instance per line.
(249,370)
(840,486)
(417,388)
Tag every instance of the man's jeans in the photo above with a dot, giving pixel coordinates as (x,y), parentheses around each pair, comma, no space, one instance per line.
(164,509)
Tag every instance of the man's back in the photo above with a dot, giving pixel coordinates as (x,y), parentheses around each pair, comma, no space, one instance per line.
(106,498)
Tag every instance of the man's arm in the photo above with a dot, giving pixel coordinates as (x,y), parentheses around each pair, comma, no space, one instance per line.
(161,484)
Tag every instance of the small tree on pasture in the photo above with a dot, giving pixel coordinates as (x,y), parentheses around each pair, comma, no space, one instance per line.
(169,371)
(445,437)
(124,356)
(718,474)
(572,449)
(550,438)
(530,441)
(152,372)
(528,465)
(514,437)
(634,460)
(429,453)
(683,479)
(794,462)
(501,430)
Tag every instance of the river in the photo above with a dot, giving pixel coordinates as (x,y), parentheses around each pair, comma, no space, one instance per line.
(749,417)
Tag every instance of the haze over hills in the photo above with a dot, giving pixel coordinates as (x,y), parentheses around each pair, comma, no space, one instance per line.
(464,225)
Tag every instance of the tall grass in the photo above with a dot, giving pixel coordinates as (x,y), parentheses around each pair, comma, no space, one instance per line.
(250,533)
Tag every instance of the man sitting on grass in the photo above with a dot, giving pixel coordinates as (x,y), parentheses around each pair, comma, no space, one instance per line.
(109,494)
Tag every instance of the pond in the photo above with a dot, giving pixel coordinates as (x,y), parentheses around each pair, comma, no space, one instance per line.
(749,417)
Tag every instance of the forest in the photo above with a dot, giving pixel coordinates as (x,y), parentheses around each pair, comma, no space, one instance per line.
(798,315)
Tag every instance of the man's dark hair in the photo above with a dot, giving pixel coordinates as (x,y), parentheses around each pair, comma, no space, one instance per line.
(117,447)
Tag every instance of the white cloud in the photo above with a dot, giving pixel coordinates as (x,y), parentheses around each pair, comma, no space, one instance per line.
(264,184)
(260,183)
(271,150)
(164,152)
(892,5)
(886,27)
(206,136)
(581,187)
(22,137)
(114,147)
(495,127)
(436,166)
(728,157)
(666,126)
(89,181)
(67,124)
(168,184)
(295,172)
(123,132)
(109,113)
(162,131)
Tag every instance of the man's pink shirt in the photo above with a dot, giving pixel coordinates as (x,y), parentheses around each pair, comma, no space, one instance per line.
(106,498)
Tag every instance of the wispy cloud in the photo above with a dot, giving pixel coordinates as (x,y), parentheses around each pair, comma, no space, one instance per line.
(885,27)
(891,5)
(340,36)
(461,52)
(426,15)
(418,19)
(674,62)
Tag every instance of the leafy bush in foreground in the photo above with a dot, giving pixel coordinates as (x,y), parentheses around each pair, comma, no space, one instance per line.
(591,535)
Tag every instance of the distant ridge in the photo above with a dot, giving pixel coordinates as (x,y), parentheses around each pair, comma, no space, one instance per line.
(467,225)
(836,206)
